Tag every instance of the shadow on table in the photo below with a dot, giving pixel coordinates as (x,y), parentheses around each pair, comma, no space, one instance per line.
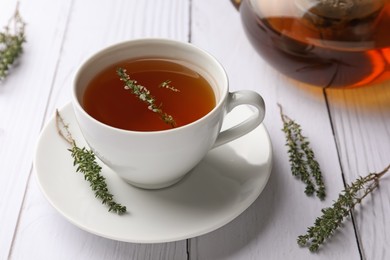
(236,235)
(368,99)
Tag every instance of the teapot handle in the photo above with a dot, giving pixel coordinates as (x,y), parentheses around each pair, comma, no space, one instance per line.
(236,3)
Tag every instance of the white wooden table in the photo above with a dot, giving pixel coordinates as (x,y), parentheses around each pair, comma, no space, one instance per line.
(349,130)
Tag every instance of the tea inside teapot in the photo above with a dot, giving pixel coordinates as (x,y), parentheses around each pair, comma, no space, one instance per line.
(327,43)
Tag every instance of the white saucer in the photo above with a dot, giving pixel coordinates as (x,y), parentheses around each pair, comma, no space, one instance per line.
(221,187)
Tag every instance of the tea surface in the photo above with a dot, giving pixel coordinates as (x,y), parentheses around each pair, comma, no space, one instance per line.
(106,100)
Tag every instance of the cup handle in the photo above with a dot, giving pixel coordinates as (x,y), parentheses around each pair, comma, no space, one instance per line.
(242,97)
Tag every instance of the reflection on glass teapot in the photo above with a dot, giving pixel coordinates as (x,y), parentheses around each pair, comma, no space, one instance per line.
(327,43)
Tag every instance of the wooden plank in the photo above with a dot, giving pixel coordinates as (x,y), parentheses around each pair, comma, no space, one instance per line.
(361,118)
(92,26)
(269,228)
(21,106)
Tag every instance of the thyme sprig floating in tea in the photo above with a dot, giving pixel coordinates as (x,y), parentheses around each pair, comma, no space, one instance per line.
(144,95)
(86,163)
(167,84)
(332,217)
(11,43)
(302,160)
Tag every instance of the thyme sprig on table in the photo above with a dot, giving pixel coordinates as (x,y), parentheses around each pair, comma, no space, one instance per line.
(144,95)
(86,163)
(332,217)
(11,43)
(302,159)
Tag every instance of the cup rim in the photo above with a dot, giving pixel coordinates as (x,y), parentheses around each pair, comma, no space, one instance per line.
(101,52)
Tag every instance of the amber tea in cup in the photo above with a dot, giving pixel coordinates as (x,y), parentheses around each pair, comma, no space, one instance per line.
(188,98)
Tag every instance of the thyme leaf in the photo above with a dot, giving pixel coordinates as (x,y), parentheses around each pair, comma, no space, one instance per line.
(86,163)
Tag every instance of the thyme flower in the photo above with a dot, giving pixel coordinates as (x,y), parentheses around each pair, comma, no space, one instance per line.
(332,217)
(144,95)
(11,43)
(302,160)
(86,163)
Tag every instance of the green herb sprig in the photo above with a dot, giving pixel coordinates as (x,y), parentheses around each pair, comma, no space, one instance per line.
(144,95)
(167,84)
(332,217)
(302,160)
(86,163)
(11,43)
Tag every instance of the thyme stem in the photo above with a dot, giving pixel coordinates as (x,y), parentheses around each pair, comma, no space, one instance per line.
(86,163)
(144,95)
(332,217)
(11,43)
(301,156)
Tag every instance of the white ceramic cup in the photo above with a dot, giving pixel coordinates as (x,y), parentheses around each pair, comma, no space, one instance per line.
(158,159)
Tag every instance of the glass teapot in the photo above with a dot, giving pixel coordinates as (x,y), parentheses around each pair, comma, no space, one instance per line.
(326,43)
